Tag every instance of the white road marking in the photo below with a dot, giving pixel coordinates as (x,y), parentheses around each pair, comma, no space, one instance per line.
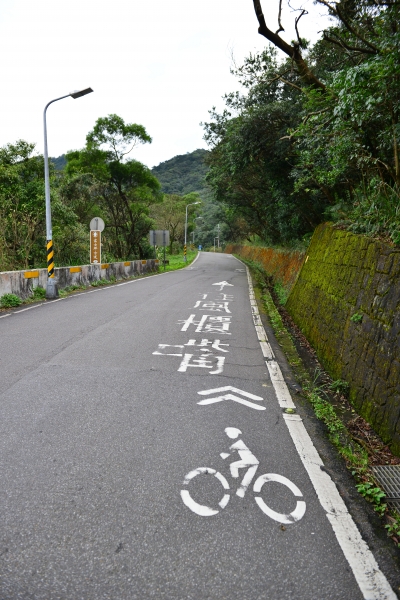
(201,509)
(29,308)
(230,397)
(371,581)
(230,388)
(250,464)
(292,517)
(223,284)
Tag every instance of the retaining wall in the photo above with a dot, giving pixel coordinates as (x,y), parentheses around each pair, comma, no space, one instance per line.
(346,300)
(345,297)
(22,283)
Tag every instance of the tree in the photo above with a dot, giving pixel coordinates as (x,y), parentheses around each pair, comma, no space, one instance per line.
(124,188)
(22,208)
(170,215)
(317,139)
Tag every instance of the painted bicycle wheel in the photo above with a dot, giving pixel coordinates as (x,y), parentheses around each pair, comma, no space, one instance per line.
(286,519)
(201,509)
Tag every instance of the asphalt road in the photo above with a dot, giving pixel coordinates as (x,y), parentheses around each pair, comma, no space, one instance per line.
(108,400)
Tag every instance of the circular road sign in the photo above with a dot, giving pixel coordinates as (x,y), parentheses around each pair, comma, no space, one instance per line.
(97,224)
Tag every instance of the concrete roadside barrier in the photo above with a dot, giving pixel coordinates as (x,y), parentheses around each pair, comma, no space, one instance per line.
(22,283)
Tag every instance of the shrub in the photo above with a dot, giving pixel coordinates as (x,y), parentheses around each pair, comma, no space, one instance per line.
(9,301)
(39,293)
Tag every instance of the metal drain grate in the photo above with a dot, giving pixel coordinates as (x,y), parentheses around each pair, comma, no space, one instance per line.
(388,478)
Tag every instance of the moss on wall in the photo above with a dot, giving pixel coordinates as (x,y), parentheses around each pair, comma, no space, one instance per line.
(346,300)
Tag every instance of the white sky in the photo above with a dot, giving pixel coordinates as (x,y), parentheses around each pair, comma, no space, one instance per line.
(160,63)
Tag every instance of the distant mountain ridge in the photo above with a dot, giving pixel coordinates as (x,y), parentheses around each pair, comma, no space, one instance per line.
(59,162)
(182,174)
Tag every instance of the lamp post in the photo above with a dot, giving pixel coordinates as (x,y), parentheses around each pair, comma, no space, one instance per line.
(51,288)
(195,219)
(186,218)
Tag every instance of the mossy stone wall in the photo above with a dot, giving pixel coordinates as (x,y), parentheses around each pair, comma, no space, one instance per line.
(346,300)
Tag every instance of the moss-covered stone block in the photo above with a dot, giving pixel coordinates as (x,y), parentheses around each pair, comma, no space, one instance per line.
(345,275)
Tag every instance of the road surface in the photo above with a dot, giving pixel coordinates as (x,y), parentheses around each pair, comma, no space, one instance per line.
(149,449)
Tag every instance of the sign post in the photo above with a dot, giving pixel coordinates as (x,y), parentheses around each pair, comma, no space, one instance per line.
(95,247)
(159,237)
(96,227)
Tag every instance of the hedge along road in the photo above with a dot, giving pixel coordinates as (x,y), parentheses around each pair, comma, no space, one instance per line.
(146,453)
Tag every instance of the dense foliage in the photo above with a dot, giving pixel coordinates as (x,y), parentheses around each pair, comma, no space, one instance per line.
(316,136)
(99,180)
(22,212)
(122,189)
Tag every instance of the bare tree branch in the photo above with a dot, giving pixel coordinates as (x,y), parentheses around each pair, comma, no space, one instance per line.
(303,12)
(279,19)
(312,114)
(292,51)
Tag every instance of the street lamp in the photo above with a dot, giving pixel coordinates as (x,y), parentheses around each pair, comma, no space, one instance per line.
(195,219)
(51,288)
(186,218)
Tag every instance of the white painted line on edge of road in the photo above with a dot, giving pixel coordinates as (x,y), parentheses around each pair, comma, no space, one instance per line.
(29,308)
(370,579)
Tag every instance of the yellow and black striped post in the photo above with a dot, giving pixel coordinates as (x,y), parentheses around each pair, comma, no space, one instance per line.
(51,288)
(184,252)
(50,259)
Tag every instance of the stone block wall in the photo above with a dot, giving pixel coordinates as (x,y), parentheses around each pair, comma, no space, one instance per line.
(346,300)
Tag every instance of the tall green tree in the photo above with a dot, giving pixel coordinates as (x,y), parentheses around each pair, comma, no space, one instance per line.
(124,189)
(22,208)
(316,136)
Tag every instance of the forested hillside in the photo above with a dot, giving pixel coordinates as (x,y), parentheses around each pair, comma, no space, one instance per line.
(100,179)
(182,174)
(181,177)
(60,162)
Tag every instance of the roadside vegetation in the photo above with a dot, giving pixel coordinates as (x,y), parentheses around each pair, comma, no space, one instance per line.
(100,180)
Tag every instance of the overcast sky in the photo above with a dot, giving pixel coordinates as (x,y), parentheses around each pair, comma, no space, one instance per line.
(160,63)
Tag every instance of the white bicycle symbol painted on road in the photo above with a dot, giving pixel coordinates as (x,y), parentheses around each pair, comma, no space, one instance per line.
(250,462)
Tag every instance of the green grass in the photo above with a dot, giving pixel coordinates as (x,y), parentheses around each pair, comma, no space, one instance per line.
(176,261)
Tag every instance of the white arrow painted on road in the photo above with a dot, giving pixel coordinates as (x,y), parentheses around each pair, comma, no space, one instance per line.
(238,399)
(223,284)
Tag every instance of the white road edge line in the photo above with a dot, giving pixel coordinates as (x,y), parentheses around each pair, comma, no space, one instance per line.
(371,581)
